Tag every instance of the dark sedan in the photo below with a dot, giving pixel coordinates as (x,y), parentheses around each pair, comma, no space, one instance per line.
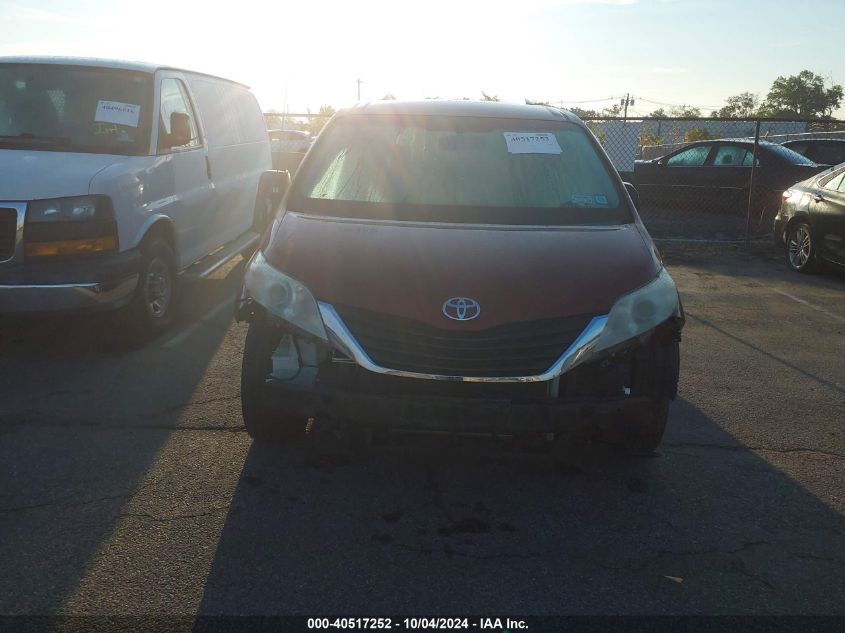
(821,150)
(811,221)
(716,175)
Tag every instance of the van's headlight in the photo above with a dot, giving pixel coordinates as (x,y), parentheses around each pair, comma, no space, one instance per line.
(70,226)
(283,296)
(639,311)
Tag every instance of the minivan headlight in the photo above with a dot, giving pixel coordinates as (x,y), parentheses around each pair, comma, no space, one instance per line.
(283,296)
(639,311)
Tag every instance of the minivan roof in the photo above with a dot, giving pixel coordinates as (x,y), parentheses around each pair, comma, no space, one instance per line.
(94,62)
(442,107)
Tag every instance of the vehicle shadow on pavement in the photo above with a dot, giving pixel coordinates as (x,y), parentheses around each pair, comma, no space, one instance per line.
(764,262)
(707,525)
(80,427)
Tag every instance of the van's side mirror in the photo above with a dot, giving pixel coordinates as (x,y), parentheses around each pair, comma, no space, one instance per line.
(635,195)
(180,129)
(273,186)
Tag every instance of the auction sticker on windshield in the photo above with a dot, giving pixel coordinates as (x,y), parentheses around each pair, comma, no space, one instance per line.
(118,113)
(532,143)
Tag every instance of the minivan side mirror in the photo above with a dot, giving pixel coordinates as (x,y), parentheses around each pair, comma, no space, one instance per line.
(635,195)
(180,129)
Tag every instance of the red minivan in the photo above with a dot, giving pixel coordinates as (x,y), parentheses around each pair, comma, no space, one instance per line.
(460,266)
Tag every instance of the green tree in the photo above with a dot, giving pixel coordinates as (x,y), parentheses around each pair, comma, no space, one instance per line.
(540,103)
(595,128)
(316,122)
(686,112)
(614,110)
(803,95)
(647,138)
(741,106)
(697,134)
(581,113)
(486,97)
(660,113)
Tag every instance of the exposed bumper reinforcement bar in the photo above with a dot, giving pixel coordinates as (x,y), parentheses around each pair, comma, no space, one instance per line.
(458,415)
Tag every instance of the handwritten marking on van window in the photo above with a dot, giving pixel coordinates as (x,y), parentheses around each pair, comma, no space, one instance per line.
(101,129)
(532,143)
(118,113)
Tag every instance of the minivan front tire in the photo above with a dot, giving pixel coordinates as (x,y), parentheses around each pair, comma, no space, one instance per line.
(655,375)
(263,421)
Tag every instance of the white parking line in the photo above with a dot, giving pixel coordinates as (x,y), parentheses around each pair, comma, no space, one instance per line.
(810,305)
(208,316)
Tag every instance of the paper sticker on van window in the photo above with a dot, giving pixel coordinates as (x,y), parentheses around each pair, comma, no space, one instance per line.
(532,143)
(118,113)
(601,199)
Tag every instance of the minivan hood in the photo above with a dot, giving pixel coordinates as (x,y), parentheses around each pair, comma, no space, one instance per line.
(30,175)
(515,273)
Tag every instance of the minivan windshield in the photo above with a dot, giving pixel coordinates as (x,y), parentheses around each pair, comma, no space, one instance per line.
(62,108)
(458,169)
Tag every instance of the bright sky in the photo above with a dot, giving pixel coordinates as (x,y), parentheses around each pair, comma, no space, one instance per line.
(305,53)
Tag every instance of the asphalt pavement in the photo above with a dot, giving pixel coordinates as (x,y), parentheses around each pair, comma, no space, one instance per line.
(128,484)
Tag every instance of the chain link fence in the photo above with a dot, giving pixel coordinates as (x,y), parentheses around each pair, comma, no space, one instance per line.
(699,179)
(716,179)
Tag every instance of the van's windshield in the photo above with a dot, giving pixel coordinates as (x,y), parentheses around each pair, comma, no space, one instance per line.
(458,169)
(74,109)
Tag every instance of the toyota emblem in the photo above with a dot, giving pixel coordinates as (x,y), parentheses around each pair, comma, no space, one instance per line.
(461,309)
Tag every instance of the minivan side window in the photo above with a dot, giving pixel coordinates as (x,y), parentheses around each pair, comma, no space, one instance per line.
(693,157)
(174,100)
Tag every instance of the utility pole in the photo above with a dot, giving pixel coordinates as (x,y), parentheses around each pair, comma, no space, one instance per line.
(626,101)
(359,82)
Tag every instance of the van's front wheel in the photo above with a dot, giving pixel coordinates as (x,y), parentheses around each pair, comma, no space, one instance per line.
(151,310)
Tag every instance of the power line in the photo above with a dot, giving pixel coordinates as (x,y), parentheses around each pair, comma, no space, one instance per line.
(586,100)
(679,105)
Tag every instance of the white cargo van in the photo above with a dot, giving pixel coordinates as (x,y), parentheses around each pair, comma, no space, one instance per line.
(117,178)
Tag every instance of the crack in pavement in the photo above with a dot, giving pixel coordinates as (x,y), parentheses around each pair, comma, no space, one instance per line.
(192,403)
(663,553)
(29,417)
(448,552)
(128,425)
(746,448)
(826,559)
(59,500)
(833,386)
(174,517)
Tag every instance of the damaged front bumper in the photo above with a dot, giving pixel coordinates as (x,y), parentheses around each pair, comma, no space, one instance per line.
(487,415)
(310,379)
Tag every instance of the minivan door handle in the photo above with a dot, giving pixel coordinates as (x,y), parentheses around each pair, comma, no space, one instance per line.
(208,167)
